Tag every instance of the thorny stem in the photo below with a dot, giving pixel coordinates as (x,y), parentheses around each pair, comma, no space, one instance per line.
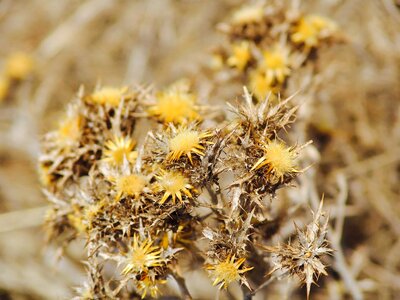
(182,287)
(247,294)
(339,261)
(264,284)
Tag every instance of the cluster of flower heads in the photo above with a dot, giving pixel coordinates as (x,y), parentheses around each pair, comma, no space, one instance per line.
(17,67)
(269,43)
(157,188)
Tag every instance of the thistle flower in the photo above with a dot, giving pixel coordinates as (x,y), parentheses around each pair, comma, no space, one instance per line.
(260,86)
(69,129)
(186,141)
(130,185)
(240,56)
(147,286)
(276,63)
(108,95)
(176,105)
(142,256)
(278,158)
(228,271)
(311,29)
(19,65)
(173,184)
(248,14)
(119,148)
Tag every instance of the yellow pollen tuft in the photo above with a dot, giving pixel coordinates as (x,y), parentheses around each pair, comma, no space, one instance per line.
(129,185)
(241,56)
(108,95)
(186,142)
(260,86)
(142,256)
(173,184)
(279,158)
(276,63)
(227,271)
(19,65)
(176,105)
(69,130)
(118,149)
(311,29)
(149,286)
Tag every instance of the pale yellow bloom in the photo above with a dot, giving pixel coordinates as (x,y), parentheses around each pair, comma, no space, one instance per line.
(240,56)
(311,29)
(276,63)
(19,65)
(176,105)
(119,148)
(108,95)
(173,184)
(228,271)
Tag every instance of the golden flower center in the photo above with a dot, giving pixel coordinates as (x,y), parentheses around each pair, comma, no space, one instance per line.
(130,185)
(175,107)
(279,158)
(275,60)
(184,141)
(70,129)
(227,272)
(108,95)
(173,183)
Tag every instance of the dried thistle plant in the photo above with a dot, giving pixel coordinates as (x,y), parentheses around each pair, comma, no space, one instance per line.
(197,189)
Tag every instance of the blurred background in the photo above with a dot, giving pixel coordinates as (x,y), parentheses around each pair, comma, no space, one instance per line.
(68,43)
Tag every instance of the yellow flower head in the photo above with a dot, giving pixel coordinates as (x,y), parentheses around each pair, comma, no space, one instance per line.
(108,95)
(76,219)
(228,271)
(260,86)
(176,105)
(185,142)
(118,149)
(148,286)
(142,256)
(311,29)
(69,129)
(173,184)
(19,65)
(4,87)
(131,185)
(240,56)
(248,14)
(277,64)
(279,159)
